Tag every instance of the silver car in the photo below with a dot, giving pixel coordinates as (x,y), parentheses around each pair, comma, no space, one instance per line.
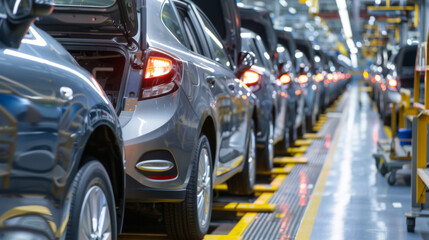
(187,121)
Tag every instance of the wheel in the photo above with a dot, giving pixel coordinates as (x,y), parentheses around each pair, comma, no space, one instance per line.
(391,178)
(382,168)
(92,210)
(309,122)
(243,182)
(190,219)
(282,146)
(301,129)
(265,155)
(411,224)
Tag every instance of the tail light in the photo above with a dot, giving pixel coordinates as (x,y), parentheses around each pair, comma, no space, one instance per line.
(330,77)
(285,79)
(250,78)
(162,75)
(320,77)
(303,78)
(383,87)
(335,77)
(393,83)
(298,92)
(377,78)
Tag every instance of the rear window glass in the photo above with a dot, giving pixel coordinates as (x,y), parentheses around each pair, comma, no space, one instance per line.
(85,3)
(410,58)
(171,22)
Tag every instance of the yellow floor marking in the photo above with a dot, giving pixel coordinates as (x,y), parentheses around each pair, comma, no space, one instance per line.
(272,187)
(286,160)
(388,132)
(301,149)
(312,136)
(221,187)
(280,215)
(284,170)
(303,142)
(307,223)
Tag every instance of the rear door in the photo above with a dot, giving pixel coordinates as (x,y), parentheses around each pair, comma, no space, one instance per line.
(211,75)
(239,120)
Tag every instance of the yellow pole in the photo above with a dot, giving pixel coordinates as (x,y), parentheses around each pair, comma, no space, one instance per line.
(427,75)
(416,14)
(393,119)
(416,85)
(422,128)
(388,3)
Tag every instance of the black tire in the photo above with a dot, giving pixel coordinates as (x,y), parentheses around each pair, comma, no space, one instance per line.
(391,178)
(91,175)
(382,168)
(301,129)
(264,159)
(282,146)
(181,219)
(411,224)
(309,122)
(242,183)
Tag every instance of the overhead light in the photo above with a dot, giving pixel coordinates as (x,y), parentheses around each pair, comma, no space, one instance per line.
(283,3)
(292,10)
(345,21)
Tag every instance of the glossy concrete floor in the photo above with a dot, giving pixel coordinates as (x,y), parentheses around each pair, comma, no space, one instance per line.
(357,202)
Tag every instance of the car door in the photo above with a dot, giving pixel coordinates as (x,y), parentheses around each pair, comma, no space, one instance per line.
(210,74)
(239,119)
(278,98)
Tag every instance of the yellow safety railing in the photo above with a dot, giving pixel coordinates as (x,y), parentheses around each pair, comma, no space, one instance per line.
(422,123)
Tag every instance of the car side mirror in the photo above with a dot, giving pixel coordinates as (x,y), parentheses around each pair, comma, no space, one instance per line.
(245,62)
(20,15)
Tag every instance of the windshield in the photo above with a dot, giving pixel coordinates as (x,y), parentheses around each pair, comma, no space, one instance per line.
(85,3)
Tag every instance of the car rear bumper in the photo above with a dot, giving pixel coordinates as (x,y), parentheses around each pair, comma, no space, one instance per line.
(163,128)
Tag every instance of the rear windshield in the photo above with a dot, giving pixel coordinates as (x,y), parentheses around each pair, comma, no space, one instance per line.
(85,3)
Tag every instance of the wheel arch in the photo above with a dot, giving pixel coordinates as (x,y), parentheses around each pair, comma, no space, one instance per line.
(103,145)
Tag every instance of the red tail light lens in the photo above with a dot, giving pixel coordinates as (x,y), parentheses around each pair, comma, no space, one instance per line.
(250,78)
(320,77)
(330,77)
(298,92)
(377,78)
(393,83)
(335,77)
(157,66)
(162,75)
(285,79)
(303,79)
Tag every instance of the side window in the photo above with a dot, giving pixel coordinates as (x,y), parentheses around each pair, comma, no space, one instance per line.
(219,51)
(248,45)
(265,55)
(170,21)
(190,31)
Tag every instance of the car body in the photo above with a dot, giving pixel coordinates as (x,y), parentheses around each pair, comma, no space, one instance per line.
(287,70)
(61,143)
(258,20)
(400,74)
(182,110)
(311,87)
(271,122)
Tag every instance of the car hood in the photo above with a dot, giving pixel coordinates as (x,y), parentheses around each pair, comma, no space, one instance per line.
(79,21)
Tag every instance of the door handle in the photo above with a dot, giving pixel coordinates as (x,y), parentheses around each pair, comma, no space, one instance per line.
(211,80)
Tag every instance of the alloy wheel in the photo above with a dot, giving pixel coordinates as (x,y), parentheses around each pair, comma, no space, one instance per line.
(204,189)
(95,221)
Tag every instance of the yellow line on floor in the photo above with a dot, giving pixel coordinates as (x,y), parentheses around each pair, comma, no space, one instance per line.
(313,206)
